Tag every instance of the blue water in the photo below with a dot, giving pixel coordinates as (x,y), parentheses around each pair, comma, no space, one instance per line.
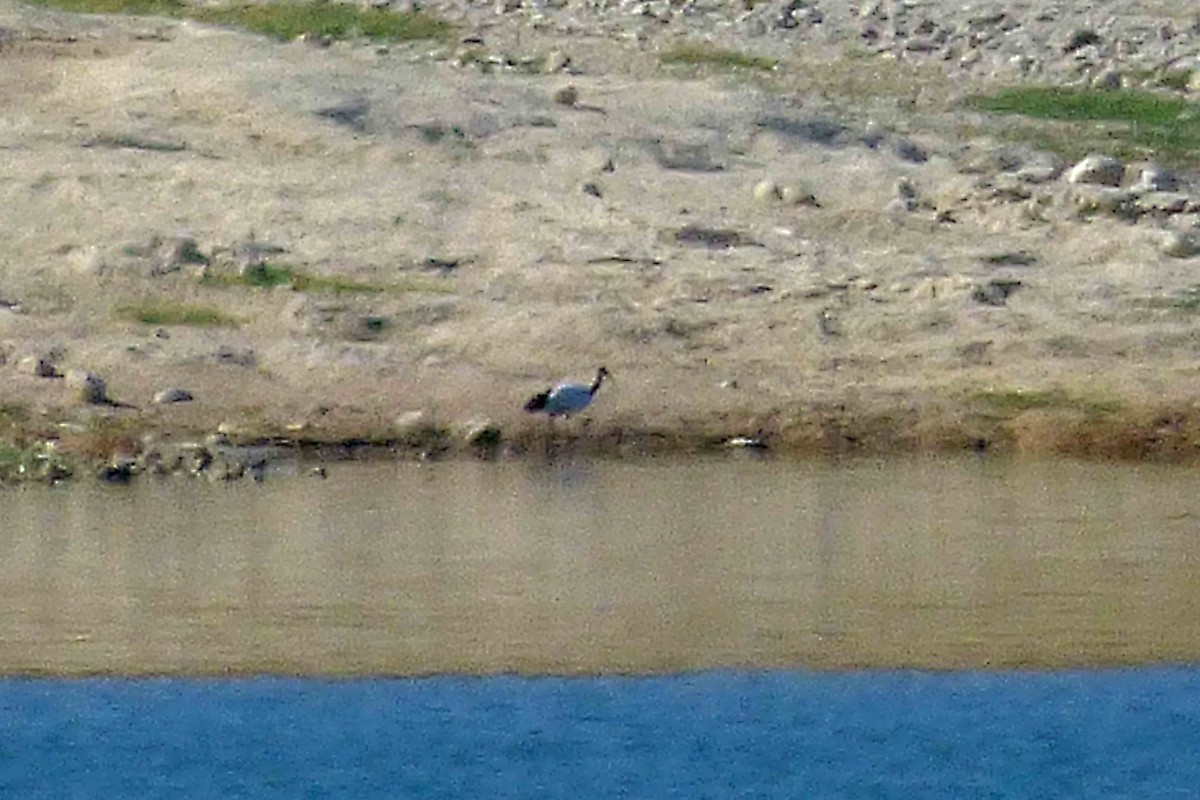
(1094,734)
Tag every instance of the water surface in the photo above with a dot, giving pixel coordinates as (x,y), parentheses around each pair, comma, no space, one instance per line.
(819,736)
(612,567)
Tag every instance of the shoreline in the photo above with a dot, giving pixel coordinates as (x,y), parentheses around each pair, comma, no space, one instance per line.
(118,450)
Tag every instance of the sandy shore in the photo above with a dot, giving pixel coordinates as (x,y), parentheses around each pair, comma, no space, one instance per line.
(830,256)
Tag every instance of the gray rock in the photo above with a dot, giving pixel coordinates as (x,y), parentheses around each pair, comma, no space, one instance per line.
(1080,38)
(766,191)
(89,388)
(796,196)
(412,423)
(38,366)
(1152,178)
(909,151)
(996,292)
(481,433)
(1181,244)
(567,96)
(1104,200)
(1097,169)
(231,355)
(1108,79)
(556,61)
(173,395)
(1163,202)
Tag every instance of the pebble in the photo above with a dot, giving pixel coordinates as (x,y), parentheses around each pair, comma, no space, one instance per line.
(173,395)
(1097,169)
(1181,244)
(89,388)
(38,366)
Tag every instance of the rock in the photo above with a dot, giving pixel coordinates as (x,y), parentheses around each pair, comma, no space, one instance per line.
(412,424)
(194,457)
(120,469)
(88,387)
(556,61)
(173,395)
(230,355)
(225,468)
(1108,80)
(1080,38)
(1040,171)
(1162,203)
(1152,177)
(481,433)
(756,442)
(909,151)
(367,327)
(1097,169)
(765,191)
(567,96)
(905,200)
(795,196)
(996,292)
(1105,200)
(38,366)
(1181,244)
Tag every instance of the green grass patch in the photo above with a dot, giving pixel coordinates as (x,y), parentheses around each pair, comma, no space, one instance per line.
(168,313)
(1125,122)
(1011,402)
(705,55)
(280,20)
(268,276)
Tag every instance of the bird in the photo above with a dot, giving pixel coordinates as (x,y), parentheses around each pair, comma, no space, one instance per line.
(566,398)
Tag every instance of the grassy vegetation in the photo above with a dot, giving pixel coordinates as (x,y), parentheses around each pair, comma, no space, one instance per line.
(1127,123)
(267,276)
(705,55)
(169,313)
(280,20)
(1012,402)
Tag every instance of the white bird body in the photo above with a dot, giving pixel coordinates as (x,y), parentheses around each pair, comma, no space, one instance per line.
(566,398)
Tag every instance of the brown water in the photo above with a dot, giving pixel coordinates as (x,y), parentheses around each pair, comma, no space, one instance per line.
(606,566)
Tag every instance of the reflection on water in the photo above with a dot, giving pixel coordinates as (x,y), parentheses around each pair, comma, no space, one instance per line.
(608,566)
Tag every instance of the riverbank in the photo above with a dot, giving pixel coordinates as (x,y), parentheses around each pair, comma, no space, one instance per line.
(805,235)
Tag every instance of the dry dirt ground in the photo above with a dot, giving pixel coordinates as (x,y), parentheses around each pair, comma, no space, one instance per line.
(510,238)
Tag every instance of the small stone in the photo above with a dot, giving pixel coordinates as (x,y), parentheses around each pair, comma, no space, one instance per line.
(1108,80)
(173,395)
(1080,38)
(481,433)
(38,366)
(909,151)
(1097,169)
(556,61)
(1181,244)
(995,293)
(567,96)
(1163,202)
(795,196)
(89,388)
(411,423)
(1152,177)
(765,191)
